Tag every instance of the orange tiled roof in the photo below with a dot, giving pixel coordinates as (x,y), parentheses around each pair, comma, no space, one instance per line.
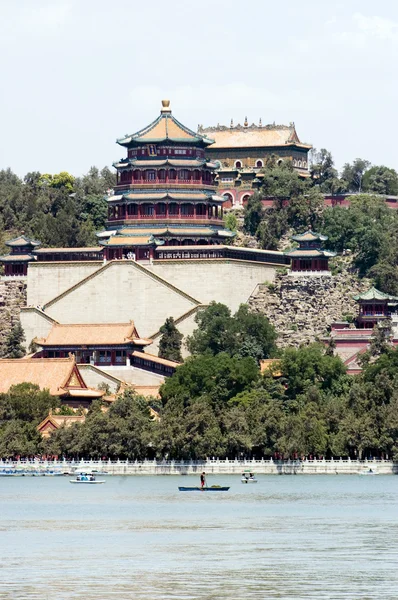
(53,422)
(253,137)
(52,374)
(119,240)
(92,334)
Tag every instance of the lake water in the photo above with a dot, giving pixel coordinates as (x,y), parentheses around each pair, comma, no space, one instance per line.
(286,537)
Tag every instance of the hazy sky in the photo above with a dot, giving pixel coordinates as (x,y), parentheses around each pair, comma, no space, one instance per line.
(77,74)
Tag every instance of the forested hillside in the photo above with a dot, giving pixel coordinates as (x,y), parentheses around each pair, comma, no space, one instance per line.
(58,210)
(367,228)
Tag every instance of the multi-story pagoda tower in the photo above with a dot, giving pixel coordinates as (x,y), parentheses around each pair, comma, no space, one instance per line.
(165,192)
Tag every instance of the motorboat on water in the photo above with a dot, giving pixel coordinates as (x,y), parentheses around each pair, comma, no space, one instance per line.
(368,471)
(86,478)
(248,477)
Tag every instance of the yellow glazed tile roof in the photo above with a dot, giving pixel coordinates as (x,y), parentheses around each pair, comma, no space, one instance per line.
(92,335)
(254,137)
(48,373)
(119,240)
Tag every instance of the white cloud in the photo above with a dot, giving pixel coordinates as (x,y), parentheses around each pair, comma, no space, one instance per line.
(368,28)
(377,27)
(49,15)
(34,19)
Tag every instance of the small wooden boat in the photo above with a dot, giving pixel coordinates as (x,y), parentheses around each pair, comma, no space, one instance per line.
(86,478)
(248,477)
(213,488)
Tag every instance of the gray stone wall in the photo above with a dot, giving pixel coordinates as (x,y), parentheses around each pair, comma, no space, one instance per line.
(12,298)
(302,308)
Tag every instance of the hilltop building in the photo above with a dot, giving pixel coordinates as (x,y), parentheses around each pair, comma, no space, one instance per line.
(241,152)
(165,192)
(309,258)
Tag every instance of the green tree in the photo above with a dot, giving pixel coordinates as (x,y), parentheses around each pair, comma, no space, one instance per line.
(353,174)
(230,221)
(170,342)
(217,378)
(323,172)
(380,180)
(13,347)
(310,366)
(253,214)
(215,331)
(244,334)
(26,402)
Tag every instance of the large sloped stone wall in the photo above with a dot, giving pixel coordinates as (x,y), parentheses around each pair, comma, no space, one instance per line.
(48,280)
(302,308)
(120,292)
(228,281)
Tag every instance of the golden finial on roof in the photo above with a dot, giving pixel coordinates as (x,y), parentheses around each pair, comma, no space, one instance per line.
(166,106)
(246,124)
(232,123)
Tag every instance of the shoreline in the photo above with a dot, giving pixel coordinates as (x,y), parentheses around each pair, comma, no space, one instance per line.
(211,467)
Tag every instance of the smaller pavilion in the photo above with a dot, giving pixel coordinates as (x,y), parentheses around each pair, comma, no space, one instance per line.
(16,263)
(309,258)
(53,421)
(353,339)
(374,307)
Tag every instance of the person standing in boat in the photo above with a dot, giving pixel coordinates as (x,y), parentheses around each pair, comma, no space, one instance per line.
(202,480)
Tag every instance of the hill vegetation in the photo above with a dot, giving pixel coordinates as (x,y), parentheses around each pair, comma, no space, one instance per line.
(367,228)
(59,210)
(219,404)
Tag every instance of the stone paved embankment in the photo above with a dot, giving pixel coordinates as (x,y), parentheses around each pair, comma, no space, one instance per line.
(215,467)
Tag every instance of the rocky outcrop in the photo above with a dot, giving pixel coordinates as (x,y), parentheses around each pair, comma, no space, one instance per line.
(302,308)
(12,297)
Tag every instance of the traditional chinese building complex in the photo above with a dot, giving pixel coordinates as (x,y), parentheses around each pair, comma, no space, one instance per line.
(241,152)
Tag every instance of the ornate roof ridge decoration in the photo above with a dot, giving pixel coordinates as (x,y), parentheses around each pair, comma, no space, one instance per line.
(22,240)
(374,294)
(253,136)
(239,127)
(164,131)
